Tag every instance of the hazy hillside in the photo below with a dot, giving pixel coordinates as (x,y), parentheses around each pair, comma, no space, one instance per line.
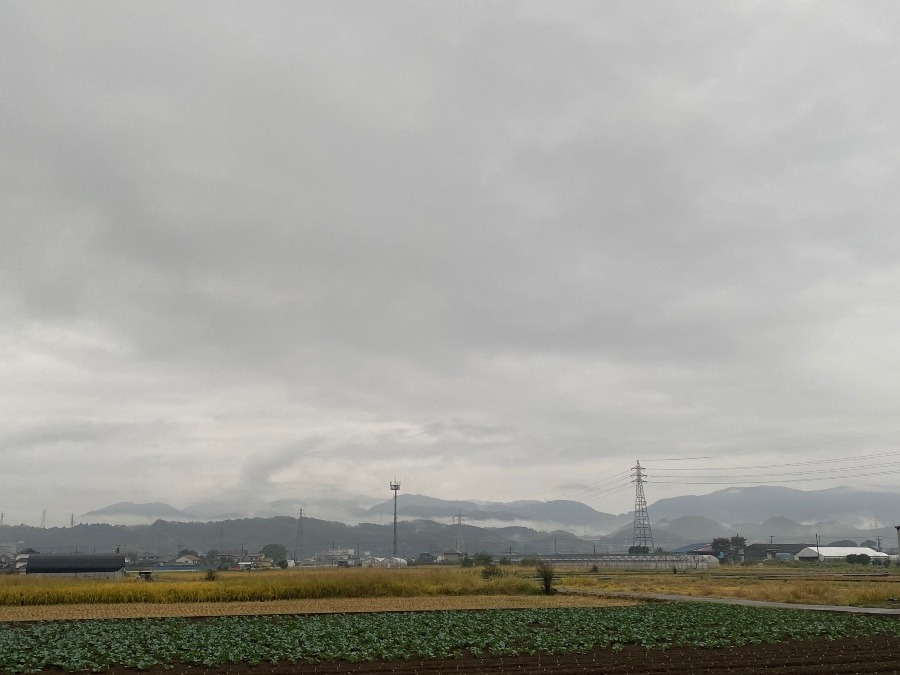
(694,528)
(129,513)
(251,534)
(563,513)
(854,507)
(760,513)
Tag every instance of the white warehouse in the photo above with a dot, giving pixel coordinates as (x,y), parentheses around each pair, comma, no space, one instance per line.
(838,553)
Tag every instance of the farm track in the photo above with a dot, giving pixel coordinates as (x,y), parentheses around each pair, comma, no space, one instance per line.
(870,655)
(327,606)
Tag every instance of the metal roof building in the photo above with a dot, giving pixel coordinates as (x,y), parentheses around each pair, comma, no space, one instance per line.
(837,553)
(83,564)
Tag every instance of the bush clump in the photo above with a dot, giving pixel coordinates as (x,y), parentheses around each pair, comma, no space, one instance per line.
(545,572)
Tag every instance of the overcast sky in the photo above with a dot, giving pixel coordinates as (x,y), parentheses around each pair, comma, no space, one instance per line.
(498,250)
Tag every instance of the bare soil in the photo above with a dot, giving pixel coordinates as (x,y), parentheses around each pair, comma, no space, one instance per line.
(873,655)
(329,606)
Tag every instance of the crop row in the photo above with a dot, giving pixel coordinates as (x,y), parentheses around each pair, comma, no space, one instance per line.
(143,643)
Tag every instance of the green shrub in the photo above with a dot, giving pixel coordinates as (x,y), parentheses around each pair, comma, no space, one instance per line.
(492,571)
(545,572)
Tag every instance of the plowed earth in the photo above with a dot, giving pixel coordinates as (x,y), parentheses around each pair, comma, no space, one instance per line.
(871,655)
(136,610)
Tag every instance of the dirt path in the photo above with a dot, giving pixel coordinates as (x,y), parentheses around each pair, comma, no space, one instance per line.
(202,609)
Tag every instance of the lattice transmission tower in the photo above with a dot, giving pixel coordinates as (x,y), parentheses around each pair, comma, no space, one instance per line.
(642,534)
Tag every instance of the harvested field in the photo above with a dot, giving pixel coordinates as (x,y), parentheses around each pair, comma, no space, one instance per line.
(860,655)
(326,606)
(800,587)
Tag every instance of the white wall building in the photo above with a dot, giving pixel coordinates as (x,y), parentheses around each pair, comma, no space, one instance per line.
(838,553)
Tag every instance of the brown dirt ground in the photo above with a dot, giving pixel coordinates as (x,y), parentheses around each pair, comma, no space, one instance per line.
(330,606)
(874,655)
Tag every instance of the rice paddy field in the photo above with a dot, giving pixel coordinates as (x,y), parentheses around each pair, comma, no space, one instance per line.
(267,586)
(843,587)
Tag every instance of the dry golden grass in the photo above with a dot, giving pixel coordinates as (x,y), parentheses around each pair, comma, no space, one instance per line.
(263,591)
(24,590)
(205,609)
(807,587)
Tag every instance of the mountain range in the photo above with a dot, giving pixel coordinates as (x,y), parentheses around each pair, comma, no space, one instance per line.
(763,513)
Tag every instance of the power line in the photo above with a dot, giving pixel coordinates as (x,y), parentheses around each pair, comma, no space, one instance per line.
(799,479)
(855,459)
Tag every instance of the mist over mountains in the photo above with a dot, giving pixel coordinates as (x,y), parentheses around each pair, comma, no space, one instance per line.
(852,506)
(759,513)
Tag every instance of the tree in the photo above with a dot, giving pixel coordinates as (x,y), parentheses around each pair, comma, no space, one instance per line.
(276,552)
(187,551)
(737,546)
(721,546)
(638,550)
(467,561)
(859,559)
(482,558)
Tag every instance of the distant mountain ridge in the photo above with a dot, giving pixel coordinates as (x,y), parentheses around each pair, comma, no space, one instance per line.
(760,513)
(852,506)
(559,512)
(149,510)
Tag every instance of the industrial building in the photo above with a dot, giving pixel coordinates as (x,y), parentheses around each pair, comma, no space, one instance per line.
(72,565)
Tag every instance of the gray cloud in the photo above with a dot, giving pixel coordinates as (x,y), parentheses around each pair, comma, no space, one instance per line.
(511,243)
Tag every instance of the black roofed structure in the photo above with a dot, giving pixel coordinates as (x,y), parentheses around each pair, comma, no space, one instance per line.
(76,564)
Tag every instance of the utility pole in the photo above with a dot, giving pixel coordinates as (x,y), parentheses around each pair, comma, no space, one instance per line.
(395,486)
(298,554)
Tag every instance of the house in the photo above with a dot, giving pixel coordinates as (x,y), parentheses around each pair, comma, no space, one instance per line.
(698,548)
(72,565)
(427,558)
(755,553)
(384,562)
(337,557)
(838,553)
(188,560)
(452,557)
(252,561)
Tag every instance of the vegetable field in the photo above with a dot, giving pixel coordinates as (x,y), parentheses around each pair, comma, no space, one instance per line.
(536,636)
